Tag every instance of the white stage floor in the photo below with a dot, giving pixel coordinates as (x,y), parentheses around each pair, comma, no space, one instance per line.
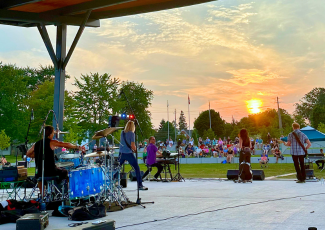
(214,204)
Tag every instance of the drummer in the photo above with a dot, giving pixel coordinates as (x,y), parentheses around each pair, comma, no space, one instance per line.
(50,168)
(127,147)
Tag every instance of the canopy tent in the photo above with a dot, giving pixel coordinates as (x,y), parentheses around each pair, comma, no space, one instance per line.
(82,13)
(312,134)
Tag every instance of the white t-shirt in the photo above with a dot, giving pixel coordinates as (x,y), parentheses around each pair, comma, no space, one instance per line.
(171,142)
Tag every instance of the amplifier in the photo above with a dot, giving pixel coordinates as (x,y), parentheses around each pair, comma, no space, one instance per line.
(124,180)
(258,174)
(35,221)
(133,177)
(232,174)
(310,173)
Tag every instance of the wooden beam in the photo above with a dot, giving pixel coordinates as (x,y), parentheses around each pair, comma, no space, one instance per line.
(7,4)
(146,8)
(85,6)
(18,16)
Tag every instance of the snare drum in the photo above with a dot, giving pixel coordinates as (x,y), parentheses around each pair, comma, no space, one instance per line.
(85,182)
(74,158)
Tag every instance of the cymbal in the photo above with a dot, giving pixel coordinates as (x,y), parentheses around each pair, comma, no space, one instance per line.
(64,164)
(69,156)
(105,132)
(96,154)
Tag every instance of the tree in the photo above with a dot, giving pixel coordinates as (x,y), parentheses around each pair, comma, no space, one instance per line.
(4,140)
(308,102)
(202,123)
(162,133)
(318,115)
(195,137)
(321,127)
(208,133)
(96,96)
(182,125)
(140,99)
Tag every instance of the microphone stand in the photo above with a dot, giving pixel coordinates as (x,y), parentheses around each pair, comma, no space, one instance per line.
(139,202)
(26,138)
(43,157)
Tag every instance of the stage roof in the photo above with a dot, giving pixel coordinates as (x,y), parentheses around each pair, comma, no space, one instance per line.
(28,13)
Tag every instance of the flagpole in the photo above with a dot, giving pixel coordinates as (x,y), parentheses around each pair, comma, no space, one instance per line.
(209,115)
(168,119)
(189,118)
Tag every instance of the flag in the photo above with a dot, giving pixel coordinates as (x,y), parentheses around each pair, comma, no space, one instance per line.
(189,101)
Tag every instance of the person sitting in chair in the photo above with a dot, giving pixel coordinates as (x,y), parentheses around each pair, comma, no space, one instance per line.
(4,161)
(151,158)
(190,150)
(263,159)
(277,154)
(320,161)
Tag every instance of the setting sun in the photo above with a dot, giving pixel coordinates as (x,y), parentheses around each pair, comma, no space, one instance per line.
(254,105)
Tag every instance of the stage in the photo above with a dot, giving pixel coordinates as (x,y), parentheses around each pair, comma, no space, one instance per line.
(219,204)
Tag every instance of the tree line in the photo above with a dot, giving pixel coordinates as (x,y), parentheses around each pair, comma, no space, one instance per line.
(86,110)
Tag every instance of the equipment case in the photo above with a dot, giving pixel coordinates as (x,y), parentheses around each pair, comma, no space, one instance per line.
(33,221)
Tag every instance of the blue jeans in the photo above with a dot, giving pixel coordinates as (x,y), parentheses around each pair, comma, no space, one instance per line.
(133,162)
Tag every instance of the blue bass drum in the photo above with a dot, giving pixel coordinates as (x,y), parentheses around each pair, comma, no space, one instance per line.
(85,182)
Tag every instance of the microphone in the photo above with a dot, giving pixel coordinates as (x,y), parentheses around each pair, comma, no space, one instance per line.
(32,115)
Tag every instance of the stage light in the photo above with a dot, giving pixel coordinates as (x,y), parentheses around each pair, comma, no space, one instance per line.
(123,116)
(131,117)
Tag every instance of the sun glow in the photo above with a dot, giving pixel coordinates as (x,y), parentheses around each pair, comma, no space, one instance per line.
(254,105)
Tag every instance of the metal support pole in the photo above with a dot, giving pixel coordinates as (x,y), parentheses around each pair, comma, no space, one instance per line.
(59,85)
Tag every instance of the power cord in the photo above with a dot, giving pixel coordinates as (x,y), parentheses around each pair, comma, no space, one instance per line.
(219,209)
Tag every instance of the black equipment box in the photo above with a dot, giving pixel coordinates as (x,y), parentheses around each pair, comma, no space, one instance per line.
(232,174)
(10,174)
(258,174)
(33,221)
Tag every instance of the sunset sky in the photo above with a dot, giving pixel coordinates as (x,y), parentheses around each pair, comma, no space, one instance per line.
(227,52)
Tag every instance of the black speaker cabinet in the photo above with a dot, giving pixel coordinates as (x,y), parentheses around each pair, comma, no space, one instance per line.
(258,174)
(133,177)
(310,173)
(124,180)
(232,174)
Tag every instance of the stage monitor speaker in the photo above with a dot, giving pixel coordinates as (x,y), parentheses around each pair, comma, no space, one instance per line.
(310,173)
(124,180)
(258,174)
(133,177)
(232,174)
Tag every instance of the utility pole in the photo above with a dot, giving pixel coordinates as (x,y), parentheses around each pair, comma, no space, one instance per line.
(175,125)
(209,115)
(168,120)
(279,114)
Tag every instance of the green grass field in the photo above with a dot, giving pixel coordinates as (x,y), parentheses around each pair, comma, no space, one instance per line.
(220,170)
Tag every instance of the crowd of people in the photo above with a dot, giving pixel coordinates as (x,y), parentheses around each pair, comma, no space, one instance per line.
(225,147)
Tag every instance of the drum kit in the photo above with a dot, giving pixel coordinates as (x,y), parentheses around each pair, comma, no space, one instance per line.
(99,180)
